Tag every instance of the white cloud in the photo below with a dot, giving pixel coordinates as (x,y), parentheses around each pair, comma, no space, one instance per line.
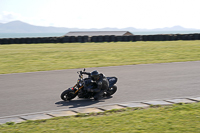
(121,13)
(108,13)
(9,16)
(6,17)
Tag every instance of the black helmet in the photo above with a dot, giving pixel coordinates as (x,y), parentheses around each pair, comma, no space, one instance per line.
(95,75)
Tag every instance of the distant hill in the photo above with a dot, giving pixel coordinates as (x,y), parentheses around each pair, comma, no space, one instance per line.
(21,27)
(174,28)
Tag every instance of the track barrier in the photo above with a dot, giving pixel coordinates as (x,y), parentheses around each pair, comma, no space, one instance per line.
(106,38)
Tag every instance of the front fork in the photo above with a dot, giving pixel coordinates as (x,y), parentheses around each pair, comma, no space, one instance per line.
(78,89)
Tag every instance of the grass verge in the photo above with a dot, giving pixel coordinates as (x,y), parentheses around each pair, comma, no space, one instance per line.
(19,58)
(176,118)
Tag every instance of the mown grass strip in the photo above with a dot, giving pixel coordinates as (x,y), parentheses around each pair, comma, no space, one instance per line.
(176,118)
(19,58)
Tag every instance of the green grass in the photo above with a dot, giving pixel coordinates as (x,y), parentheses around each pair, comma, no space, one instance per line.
(43,57)
(19,58)
(170,119)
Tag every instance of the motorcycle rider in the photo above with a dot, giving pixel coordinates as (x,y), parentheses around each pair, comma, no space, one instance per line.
(102,84)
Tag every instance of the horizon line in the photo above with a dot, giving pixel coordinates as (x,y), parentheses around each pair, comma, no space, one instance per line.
(178,26)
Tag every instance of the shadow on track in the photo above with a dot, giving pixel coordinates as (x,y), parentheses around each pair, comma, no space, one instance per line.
(80,102)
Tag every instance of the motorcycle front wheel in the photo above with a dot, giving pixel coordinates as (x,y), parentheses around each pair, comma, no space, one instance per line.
(67,95)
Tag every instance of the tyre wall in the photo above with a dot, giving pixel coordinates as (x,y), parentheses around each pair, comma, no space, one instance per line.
(82,39)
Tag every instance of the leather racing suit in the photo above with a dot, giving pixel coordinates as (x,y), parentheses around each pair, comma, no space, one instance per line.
(102,86)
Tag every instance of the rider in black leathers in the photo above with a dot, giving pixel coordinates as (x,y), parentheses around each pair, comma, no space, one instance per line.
(101,81)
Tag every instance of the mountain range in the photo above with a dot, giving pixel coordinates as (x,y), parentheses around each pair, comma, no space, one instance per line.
(22,27)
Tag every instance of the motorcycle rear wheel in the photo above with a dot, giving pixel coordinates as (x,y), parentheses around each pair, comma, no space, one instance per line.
(67,95)
(112,90)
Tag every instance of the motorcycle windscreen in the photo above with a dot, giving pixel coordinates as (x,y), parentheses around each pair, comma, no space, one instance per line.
(112,81)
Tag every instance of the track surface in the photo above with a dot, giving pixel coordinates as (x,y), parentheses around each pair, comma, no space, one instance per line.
(24,93)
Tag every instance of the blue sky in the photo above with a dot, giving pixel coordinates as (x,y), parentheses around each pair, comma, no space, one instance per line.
(148,14)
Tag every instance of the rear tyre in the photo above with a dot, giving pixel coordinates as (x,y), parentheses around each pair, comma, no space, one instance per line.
(112,90)
(67,95)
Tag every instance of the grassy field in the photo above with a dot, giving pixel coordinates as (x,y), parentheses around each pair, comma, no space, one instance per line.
(170,119)
(19,58)
(185,118)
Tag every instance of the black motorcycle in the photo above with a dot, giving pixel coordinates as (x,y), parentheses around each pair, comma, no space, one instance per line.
(80,88)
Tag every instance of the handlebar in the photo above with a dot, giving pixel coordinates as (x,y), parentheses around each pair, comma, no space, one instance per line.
(83,72)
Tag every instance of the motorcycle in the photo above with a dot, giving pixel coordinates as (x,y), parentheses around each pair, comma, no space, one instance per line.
(80,88)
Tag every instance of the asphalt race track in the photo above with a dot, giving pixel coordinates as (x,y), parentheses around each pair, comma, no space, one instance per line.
(25,93)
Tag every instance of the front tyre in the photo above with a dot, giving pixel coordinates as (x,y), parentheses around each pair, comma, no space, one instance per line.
(67,95)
